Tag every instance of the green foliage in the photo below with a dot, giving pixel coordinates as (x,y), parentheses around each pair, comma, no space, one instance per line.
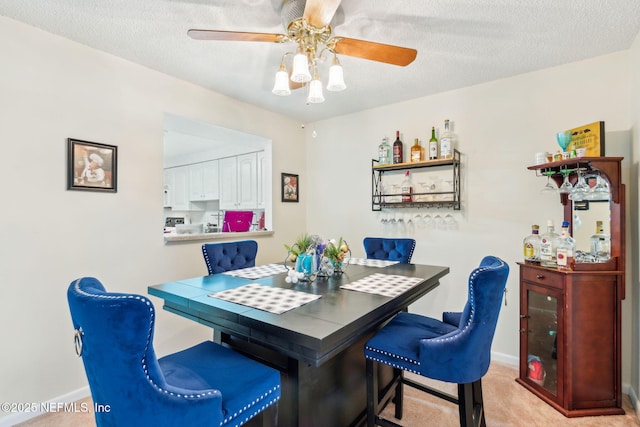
(301,245)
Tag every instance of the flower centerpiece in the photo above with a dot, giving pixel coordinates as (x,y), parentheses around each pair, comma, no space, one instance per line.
(312,256)
(333,256)
(304,253)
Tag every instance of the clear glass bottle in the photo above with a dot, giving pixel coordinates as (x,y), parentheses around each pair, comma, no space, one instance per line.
(406,188)
(531,246)
(398,156)
(548,246)
(384,152)
(433,145)
(417,153)
(601,244)
(565,249)
(446,142)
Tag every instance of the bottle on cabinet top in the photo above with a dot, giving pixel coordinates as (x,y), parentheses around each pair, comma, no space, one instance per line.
(433,145)
(548,243)
(446,142)
(384,152)
(531,246)
(417,153)
(398,156)
(565,249)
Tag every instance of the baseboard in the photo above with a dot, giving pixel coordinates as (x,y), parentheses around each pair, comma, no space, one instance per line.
(505,358)
(20,417)
(633,397)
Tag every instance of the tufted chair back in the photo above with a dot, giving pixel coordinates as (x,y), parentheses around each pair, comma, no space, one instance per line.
(114,335)
(400,250)
(469,345)
(226,256)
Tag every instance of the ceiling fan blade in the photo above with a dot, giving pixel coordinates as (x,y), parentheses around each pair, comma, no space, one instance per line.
(234,36)
(319,13)
(380,52)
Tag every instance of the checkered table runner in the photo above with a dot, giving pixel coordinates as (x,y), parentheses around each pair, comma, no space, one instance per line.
(257,272)
(389,285)
(371,262)
(267,298)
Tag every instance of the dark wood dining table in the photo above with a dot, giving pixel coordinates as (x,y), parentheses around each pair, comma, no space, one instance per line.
(318,347)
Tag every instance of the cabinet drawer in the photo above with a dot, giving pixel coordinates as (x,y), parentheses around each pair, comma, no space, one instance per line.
(543,277)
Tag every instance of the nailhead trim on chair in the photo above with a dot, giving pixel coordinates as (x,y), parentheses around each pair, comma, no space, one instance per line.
(186,396)
(386,362)
(253,404)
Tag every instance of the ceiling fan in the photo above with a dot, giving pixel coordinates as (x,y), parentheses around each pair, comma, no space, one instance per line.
(310,28)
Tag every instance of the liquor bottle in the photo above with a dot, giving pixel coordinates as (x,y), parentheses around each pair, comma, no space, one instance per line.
(384,152)
(417,153)
(406,189)
(601,244)
(532,246)
(565,249)
(446,142)
(433,145)
(398,156)
(548,246)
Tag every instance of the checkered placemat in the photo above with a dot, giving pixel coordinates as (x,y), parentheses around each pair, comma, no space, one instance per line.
(389,285)
(371,262)
(267,298)
(258,271)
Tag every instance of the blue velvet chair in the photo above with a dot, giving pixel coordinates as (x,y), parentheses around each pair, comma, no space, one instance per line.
(205,385)
(455,350)
(400,250)
(226,256)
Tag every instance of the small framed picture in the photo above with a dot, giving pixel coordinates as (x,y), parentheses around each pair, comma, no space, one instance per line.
(290,187)
(91,166)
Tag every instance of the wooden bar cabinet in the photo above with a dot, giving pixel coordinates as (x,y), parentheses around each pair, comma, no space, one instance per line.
(570,322)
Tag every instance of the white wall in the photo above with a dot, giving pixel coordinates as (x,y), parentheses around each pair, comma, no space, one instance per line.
(52,89)
(499,125)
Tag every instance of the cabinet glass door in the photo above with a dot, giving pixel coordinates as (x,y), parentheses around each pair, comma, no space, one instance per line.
(542,339)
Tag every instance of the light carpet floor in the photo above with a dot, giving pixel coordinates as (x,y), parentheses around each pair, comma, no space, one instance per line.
(506,404)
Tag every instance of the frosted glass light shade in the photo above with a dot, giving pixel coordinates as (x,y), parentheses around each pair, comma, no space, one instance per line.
(315,92)
(300,72)
(336,79)
(281,85)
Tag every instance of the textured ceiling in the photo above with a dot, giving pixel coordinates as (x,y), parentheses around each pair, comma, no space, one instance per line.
(459,43)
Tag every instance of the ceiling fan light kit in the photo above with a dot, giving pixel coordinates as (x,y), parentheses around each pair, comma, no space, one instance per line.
(312,33)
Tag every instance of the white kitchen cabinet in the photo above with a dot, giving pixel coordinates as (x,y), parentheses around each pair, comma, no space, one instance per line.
(204,181)
(239,182)
(262,179)
(179,193)
(167,182)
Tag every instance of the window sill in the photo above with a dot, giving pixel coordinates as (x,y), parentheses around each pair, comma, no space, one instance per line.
(171,238)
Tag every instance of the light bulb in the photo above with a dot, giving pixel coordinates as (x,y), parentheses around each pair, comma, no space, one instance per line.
(336,77)
(300,73)
(315,92)
(281,85)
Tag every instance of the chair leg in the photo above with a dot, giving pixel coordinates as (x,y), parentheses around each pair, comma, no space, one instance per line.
(470,404)
(399,373)
(372,398)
